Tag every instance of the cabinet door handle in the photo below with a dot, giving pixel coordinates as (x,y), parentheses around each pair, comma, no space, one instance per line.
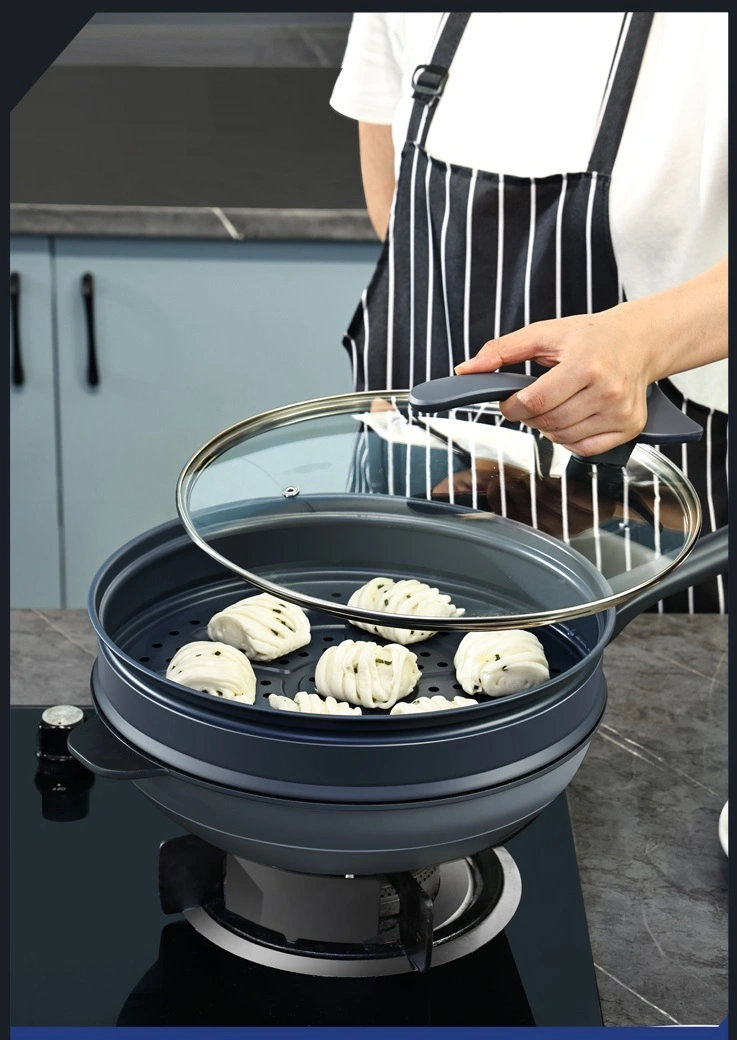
(17,375)
(88,289)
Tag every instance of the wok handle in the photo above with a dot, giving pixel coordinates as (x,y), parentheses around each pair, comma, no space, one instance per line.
(666,424)
(709,558)
(94,745)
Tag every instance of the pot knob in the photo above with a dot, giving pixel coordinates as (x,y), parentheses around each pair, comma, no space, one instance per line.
(55,726)
(64,783)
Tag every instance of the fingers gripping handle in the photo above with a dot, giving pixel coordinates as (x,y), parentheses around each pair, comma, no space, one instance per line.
(666,424)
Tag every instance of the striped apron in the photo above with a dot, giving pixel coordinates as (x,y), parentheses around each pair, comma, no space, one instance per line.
(472,255)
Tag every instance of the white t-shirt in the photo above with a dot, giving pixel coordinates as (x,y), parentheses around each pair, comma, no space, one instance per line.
(523,97)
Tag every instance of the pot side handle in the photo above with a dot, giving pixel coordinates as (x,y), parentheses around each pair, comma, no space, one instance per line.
(709,557)
(95,746)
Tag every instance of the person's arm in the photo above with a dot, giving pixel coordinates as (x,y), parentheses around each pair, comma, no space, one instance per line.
(368,89)
(377,172)
(594,397)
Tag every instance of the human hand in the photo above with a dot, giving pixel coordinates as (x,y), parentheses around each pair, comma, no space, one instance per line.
(595,396)
(380,405)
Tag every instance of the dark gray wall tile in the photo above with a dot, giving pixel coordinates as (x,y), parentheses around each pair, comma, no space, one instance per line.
(329,42)
(192,45)
(201,137)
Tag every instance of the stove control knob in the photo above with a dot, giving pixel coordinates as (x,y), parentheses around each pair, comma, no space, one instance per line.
(64,783)
(55,726)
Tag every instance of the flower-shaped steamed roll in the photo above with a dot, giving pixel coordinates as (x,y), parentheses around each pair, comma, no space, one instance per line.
(215,668)
(263,626)
(368,674)
(500,663)
(431,704)
(312,704)
(407,596)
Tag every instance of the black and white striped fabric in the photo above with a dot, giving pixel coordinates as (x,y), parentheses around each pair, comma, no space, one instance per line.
(706,464)
(471,255)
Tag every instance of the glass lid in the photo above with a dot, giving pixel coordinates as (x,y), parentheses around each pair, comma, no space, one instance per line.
(314,501)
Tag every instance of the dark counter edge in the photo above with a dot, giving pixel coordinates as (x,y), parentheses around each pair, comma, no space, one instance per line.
(204,222)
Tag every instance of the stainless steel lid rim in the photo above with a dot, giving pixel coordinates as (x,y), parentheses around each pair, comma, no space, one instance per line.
(552,556)
(129,561)
(172,738)
(274,429)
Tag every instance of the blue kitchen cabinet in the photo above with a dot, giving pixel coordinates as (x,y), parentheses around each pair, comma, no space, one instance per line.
(189,338)
(35,560)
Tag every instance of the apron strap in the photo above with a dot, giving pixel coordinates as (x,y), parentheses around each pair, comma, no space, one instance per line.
(428,81)
(620,89)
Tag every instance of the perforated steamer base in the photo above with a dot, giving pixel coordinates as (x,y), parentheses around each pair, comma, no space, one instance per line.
(153,639)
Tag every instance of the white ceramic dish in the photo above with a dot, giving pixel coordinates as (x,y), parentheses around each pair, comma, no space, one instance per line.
(724,827)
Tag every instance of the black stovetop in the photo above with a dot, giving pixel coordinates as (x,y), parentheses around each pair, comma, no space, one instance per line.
(88,933)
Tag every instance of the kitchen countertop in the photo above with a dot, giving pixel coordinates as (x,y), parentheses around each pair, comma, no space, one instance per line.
(645,804)
(193,222)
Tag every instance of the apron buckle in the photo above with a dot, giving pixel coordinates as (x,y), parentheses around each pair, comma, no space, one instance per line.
(429,80)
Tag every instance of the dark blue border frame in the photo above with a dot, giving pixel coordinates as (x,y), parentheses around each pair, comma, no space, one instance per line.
(40,31)
(356,1033)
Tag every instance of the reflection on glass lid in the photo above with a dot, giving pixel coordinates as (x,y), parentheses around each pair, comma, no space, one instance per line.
(516,529)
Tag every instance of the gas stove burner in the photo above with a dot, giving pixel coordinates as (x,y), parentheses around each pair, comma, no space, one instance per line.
(389,901)
(344,926)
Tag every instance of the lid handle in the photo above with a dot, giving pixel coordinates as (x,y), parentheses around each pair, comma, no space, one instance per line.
(666,424)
